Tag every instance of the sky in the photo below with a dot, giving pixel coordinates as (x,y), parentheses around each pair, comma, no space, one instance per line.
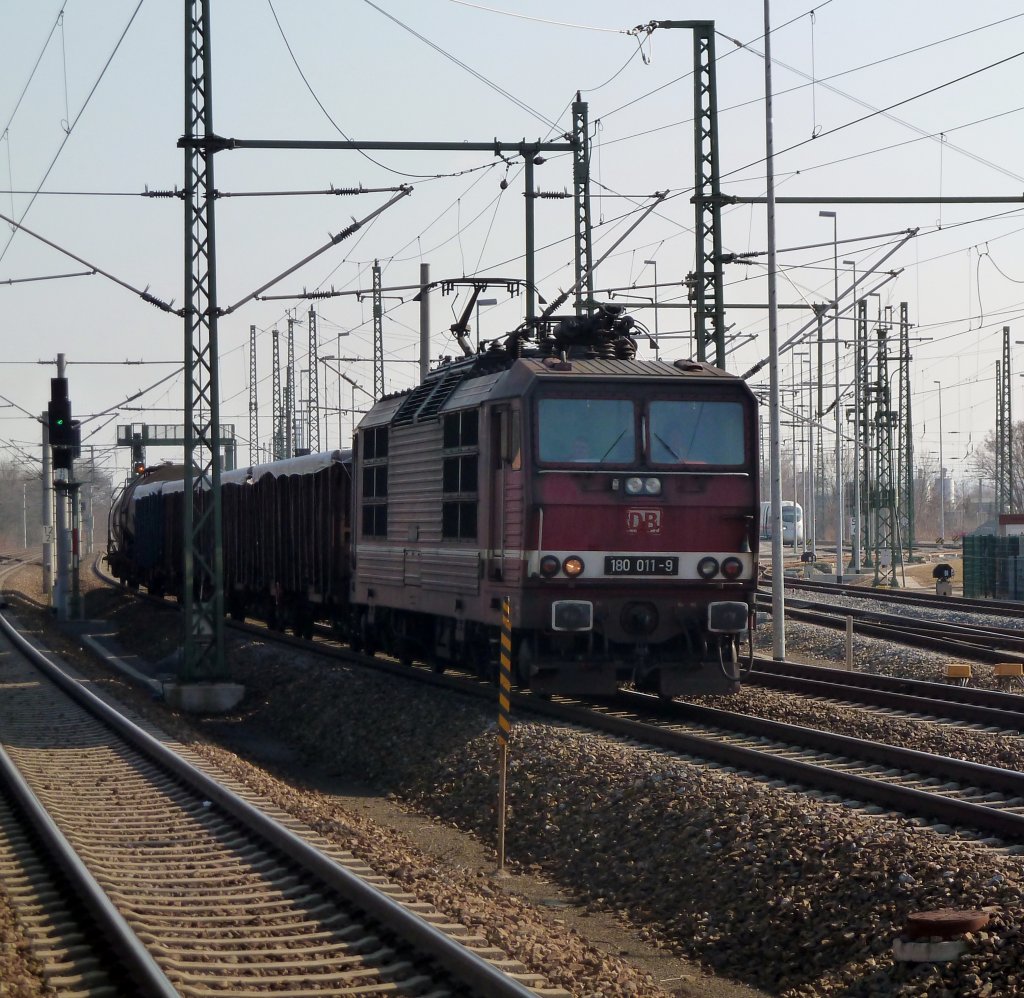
(871,99)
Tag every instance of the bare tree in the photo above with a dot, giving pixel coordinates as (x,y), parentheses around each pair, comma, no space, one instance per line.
(984,462)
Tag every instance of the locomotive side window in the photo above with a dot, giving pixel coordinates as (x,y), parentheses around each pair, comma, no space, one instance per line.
(586,431)
(690,431)
(375,482)
(460,475)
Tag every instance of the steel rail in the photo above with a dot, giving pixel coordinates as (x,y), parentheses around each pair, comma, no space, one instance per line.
(892,756)
(922,624)
(1002,608)
(139,963)
(905,799)
(467,967)
(915,634)
(908,800)
(936,692)
(974,713)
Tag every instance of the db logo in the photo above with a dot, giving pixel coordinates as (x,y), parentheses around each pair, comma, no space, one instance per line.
(643,521)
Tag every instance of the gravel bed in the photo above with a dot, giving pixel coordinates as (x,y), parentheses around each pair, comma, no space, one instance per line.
(791,894)
(533,935)
(949,616)
(825,646)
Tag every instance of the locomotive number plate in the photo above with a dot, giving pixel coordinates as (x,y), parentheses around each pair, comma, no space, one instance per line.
(638,564)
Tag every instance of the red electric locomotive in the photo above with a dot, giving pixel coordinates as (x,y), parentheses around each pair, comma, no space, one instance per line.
(613,500)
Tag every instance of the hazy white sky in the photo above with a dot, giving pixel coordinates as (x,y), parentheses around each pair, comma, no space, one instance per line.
(100,119)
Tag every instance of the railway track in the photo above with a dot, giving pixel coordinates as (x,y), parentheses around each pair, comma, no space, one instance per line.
(985,801)
(950,793)
(927,701)
(983,643)
(200,887)
(906,597)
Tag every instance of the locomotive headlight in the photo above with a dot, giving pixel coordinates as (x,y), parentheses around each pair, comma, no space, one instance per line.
(732,568)
(707,567)
(634,486)
(549,566)
(573,566)
(652,486)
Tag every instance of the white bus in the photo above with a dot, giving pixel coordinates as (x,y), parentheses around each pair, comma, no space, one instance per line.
(792,522)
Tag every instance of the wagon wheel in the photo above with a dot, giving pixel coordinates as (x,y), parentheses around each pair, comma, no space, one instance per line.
(484,664)
(524,659)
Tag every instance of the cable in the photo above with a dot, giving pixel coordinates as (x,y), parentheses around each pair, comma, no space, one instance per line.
(32,74)
(341,132)
(458,62)
(874,112)
(71,127)
(539,20)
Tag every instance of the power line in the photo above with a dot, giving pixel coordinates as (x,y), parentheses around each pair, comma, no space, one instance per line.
(71,127)
(458,62)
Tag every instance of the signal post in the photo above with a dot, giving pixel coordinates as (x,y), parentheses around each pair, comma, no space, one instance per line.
(64,435)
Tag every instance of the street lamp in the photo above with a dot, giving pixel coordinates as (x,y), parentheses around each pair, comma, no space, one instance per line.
(479,302)
(654,264)
(839,418)
(942,475)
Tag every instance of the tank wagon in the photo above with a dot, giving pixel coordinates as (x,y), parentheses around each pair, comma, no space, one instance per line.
(131,562)
(613,501)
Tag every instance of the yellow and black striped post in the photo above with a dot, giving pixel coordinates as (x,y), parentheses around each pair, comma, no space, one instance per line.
(504,720)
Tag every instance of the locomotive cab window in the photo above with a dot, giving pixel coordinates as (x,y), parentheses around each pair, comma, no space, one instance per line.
(375,482)
(687,432)
(460,474)
(586,431)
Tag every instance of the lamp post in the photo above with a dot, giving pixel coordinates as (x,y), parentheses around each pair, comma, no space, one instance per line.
(479,302)
(839,418)
(654,264)
(942,474)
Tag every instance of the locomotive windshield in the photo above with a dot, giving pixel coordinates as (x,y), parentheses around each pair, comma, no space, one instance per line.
(587,431)
(694,432)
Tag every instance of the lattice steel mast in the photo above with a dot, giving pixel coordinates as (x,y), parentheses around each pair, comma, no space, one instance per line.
(887,550)
(313,441)
(289,393)
(581,208)
(254,443)
(203,595)
(1004,431)
(862,466)
(707,197)
(378,335)
(905,445)
(278,414)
